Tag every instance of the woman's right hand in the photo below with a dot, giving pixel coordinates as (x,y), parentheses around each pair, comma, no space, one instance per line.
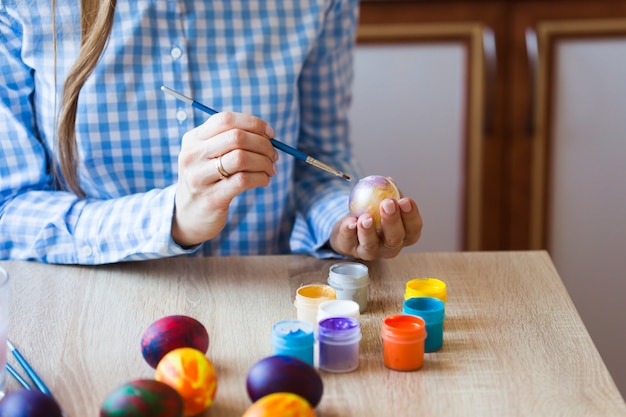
(236,143)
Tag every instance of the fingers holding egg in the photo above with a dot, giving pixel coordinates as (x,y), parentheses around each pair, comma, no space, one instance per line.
(378,204)
(368,194)
(412,221)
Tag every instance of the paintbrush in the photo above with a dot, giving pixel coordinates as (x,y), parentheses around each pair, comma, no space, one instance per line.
(28,369)
(278,145)
(18,377)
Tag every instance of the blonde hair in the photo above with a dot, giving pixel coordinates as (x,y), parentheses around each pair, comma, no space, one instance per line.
(96,23)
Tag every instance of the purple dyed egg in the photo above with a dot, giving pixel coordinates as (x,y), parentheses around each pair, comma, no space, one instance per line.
(368,193)
(281,373)
(24,403)
(172,332)
(143,398)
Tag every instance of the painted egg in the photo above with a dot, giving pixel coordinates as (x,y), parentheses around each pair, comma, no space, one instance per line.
(24,403)
(280,404)
(192,375)
(368,193)
(281,373)
(143,398)
(172,332)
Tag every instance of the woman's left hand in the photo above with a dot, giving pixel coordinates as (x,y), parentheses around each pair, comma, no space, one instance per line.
(401,226)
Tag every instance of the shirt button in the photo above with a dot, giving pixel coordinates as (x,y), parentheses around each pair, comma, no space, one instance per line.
(181,115)
(87,251)
(176,52)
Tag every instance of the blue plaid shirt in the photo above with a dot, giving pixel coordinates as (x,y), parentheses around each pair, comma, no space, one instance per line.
(288,62)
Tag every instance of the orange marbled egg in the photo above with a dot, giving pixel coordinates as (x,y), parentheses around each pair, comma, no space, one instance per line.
(280,404)
(192,375)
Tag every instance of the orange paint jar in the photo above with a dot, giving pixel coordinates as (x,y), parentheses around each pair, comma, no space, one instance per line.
(403,342)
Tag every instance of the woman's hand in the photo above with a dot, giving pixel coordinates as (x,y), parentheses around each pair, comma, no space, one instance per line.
(228,154)
(401,226)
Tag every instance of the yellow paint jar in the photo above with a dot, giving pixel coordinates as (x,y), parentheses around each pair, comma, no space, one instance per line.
(308,299)
(426,287)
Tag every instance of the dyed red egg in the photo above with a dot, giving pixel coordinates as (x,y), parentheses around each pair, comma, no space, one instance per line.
(281,373)
(143,398)
(280,404)
(24,403)
(368,193)
(172,332)
(192,375)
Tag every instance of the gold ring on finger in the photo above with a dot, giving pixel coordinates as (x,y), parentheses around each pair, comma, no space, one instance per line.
(220,168)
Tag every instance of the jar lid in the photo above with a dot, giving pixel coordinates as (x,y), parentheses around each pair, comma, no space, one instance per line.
(338,308)
(431,309)
(293,332)
(426,287)
(339,330)
(316,291)
(348,275)
(403,327)
(313,294)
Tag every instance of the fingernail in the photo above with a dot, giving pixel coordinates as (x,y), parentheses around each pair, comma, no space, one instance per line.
(352,225)
(367,222)
(275,156)
(269,131)
(389,206)
(405,205)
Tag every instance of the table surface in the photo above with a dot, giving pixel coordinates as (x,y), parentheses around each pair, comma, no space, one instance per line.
(513,341)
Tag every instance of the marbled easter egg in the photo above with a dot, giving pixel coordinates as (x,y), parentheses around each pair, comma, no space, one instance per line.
(368,193)
(24,403)
(143,398)
(192,375)
(280,404)
(281,373)
(172,332)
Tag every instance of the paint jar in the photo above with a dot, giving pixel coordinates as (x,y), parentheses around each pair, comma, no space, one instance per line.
(294,338)
(431,309)
(338,308)
(403,342)
(350,281)
(308,298)
(339,339)
(426,287)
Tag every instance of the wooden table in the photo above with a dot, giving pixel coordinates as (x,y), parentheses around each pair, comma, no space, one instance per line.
(514,344)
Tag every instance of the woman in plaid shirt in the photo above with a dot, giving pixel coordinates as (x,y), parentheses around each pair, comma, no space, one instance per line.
(98,166)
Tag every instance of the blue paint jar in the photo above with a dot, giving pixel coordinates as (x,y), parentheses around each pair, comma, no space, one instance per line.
(294,338)
(430,309)
(339,339)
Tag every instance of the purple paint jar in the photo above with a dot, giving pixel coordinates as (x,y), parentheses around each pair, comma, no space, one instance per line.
(339,339)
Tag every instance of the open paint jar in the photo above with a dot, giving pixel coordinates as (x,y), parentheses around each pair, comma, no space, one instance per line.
(339,339)
(308,299)
(350,281)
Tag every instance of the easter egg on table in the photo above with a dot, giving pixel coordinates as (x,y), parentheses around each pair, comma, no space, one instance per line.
(143,398)
(25,403)
(280,404)
(368,193)
(172,332)
(281,373)
(192,375)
